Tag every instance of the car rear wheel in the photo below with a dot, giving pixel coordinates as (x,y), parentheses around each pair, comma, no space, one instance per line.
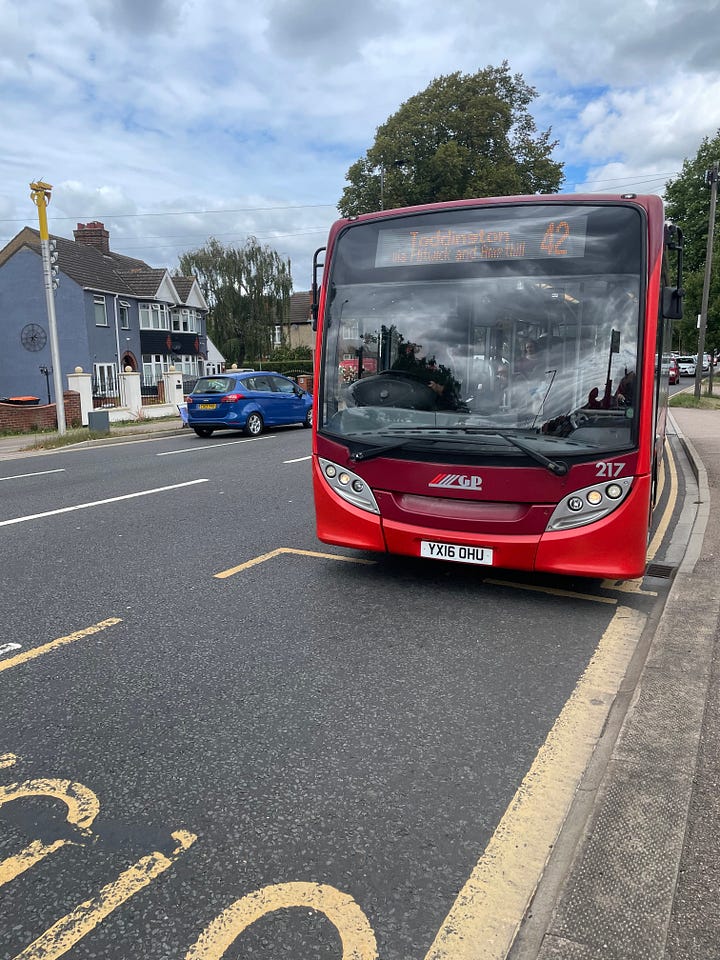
(203,431)
(307,422)
(254,425)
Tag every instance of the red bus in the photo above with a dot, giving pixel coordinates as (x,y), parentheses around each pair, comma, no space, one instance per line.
(510,407)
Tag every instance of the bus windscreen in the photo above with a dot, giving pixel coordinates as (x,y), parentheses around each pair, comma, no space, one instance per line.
(518,320)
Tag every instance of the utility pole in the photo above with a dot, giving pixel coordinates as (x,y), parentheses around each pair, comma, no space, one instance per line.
(40,194)
(711,178)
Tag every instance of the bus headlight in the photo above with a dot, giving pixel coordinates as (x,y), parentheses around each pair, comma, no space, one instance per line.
(349,486)
(589,504)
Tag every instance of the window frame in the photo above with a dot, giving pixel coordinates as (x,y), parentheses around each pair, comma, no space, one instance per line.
(100,301)
(157,315)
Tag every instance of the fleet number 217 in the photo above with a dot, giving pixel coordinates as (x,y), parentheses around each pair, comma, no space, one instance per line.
(606,469)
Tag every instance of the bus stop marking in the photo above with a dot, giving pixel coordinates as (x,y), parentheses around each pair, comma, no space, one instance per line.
(70,929)
(667,512)
(487,913)
(554,591)
(55,644)
(356,934)
(224,574)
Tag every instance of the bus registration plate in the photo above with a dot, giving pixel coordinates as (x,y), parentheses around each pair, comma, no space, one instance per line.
(456,552)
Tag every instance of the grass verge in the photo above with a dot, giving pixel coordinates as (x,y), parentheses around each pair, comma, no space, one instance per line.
(50,441)
(688,399)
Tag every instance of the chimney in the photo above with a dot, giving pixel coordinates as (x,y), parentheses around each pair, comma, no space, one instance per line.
(94,235)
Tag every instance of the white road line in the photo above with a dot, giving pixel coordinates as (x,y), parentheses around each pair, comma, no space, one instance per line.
(19,476)
(212,446)
(99,503)
(8,647)
(100,444)
(298,460)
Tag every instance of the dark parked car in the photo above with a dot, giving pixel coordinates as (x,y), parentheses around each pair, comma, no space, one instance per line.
(249,400)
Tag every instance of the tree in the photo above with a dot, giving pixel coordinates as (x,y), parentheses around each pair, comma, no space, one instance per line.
(248,292)
(687,203)
(463,136)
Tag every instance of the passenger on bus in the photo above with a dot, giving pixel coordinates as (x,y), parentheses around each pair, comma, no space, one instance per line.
(593,401)
(625,393)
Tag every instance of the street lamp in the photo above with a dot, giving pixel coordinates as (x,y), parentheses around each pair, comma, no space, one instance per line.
(40,193)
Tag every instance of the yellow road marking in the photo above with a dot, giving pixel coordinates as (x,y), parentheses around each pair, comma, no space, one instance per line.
(552,590)
(627,586)
(54,644)
(276,553)
(488,910)
(81,802)
(70,929)
(7,760)
(667,512)
(82,808)
(33,853)
(356,934)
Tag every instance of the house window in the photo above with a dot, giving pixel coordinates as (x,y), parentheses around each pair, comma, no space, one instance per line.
(154,366)
(101,319)
(124,315)
(188,365)
(277,335)
(154,316)
(185,321)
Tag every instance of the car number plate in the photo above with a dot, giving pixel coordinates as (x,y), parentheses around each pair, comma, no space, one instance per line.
(456,552)
(206,406)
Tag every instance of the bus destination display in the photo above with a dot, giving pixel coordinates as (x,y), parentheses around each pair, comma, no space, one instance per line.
(530,239)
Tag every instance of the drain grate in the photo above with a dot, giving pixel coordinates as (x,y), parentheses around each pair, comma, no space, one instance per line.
(662,570)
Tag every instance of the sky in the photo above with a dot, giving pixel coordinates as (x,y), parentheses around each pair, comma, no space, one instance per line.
(173,121)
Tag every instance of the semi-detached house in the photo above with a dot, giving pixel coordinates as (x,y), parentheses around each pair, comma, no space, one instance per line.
(112,312)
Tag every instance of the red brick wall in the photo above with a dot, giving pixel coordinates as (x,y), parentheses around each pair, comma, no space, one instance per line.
(29,419)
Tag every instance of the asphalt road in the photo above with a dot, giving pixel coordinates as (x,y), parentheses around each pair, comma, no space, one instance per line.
(304,757)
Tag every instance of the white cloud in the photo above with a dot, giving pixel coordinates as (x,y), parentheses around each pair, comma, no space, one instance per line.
(184,110)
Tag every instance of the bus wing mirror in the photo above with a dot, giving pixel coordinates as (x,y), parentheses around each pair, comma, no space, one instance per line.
(315,305)
(672,297)
(672,303)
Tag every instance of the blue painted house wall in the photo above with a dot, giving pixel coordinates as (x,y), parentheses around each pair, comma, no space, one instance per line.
(90,271)
(22,301)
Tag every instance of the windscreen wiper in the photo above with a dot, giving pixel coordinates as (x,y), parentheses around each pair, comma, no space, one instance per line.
(418,433)
(557,467)
(378,451)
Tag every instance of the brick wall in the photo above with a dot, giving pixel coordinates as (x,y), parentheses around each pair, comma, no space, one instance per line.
(29,419)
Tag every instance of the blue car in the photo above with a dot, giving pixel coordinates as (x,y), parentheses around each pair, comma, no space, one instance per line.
(247,400)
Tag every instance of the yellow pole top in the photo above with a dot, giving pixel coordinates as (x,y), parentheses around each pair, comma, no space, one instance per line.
(40,196)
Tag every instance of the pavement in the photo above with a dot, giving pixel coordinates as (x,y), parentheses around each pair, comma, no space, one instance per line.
(635,874)
(26,444)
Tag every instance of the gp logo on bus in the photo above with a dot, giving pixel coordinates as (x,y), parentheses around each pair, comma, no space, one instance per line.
(457,480)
